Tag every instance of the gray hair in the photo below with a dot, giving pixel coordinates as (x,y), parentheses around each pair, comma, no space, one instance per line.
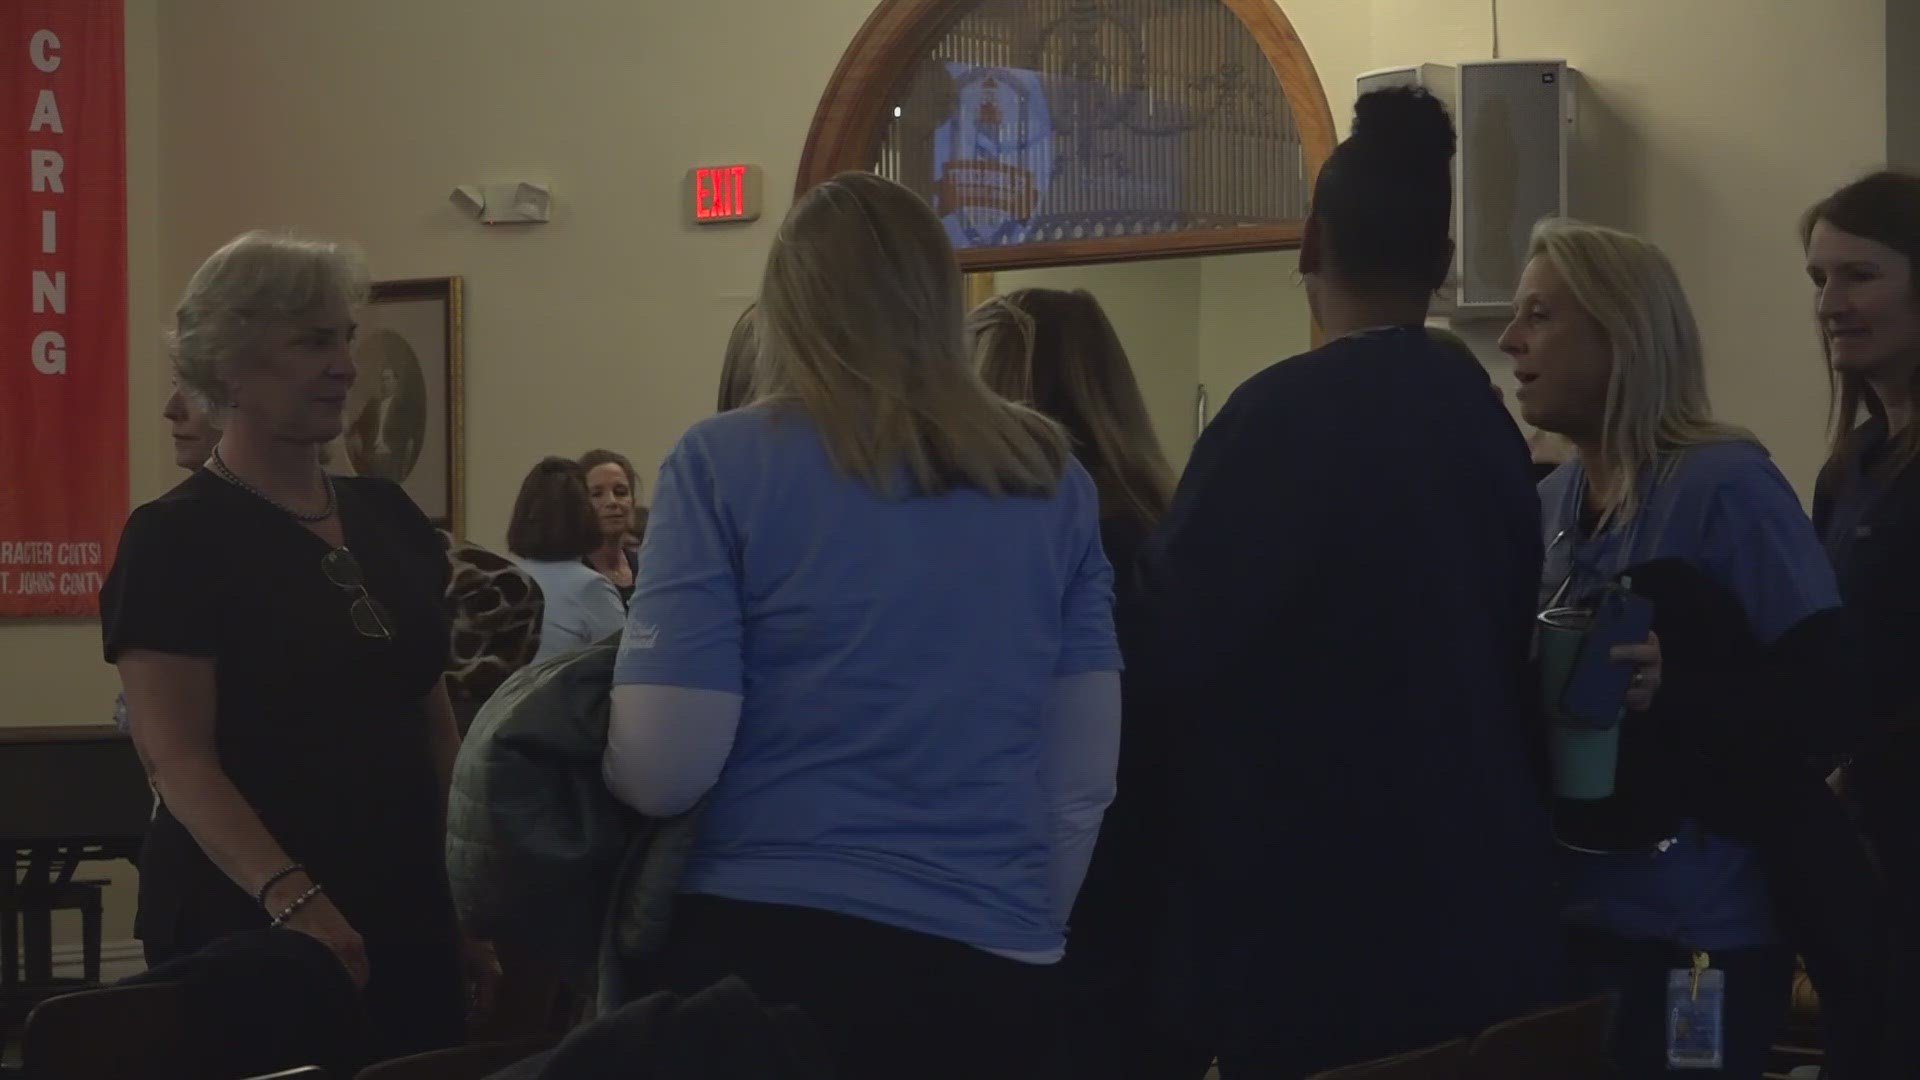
(257,282)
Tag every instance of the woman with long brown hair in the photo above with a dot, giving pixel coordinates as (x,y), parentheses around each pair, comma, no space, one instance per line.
(1057,352)
(1863,256)
(874,633)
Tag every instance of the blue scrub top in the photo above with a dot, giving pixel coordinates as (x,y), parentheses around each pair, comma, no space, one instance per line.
(894,656)
(1725,509)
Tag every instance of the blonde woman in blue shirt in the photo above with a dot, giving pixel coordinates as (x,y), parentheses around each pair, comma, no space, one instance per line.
(874,630)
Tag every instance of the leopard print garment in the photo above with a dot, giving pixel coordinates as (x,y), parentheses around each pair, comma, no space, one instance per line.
(496,610)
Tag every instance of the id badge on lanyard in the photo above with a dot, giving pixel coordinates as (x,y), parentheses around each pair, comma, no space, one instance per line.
(1696,1008)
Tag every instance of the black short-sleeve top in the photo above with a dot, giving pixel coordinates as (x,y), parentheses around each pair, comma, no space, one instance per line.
(321,728)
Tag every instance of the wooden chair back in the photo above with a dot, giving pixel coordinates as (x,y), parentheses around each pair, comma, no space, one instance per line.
(1568,1043)
(128,1032)
(474,1062)
(1444,1062)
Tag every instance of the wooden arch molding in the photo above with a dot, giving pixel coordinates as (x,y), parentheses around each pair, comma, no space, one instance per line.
(852,119)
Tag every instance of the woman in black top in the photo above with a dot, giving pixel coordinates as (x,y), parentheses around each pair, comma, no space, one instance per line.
(281,636)
(1863,255)
(1057,352)
(1335,619)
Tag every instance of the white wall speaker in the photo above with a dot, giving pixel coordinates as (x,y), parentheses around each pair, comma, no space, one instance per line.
(1515,121)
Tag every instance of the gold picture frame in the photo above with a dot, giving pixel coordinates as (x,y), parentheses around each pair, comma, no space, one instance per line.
(406,416)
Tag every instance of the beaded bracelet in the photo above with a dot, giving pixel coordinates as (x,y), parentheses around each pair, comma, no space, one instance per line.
(281,875)
(294,908)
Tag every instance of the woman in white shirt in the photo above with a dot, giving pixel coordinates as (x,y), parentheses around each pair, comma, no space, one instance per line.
(553,528)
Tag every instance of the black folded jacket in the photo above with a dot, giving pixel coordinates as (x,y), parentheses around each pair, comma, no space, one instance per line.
(265,1001)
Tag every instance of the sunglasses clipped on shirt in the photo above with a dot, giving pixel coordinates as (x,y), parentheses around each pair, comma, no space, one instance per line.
(370,618)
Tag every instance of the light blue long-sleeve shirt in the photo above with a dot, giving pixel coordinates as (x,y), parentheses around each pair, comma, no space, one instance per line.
(582,606)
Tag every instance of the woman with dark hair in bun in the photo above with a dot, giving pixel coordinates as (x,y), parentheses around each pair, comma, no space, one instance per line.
(1336,630)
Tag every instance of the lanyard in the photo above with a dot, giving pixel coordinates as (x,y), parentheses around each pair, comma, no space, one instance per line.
(1570,535)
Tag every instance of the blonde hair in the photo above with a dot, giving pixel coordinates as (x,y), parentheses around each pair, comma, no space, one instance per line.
(257,283)
(1657,393)
(1057,352)
(860,325)
(736,372)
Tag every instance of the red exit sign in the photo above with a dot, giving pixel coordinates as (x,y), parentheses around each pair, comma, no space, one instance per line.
(724,193)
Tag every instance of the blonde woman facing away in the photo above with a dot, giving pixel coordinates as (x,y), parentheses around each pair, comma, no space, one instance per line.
(1693,858)
(874,632)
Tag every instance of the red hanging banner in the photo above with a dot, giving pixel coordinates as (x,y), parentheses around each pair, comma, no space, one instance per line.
(63,302)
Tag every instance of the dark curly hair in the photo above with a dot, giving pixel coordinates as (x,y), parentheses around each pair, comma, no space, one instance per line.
(1383,204)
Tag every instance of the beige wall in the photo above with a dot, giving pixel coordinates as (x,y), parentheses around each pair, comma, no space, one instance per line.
(1903,83)
(355,118)
(1253,312)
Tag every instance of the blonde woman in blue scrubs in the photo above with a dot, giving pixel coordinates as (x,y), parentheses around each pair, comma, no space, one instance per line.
(1694,513)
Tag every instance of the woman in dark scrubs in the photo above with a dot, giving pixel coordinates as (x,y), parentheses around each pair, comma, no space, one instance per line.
(1862,246)
(1333,640)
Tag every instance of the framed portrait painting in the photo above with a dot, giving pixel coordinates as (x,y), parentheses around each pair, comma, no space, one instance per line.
(405,421)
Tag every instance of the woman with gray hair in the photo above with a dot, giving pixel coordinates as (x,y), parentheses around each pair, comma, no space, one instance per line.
(281,636)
